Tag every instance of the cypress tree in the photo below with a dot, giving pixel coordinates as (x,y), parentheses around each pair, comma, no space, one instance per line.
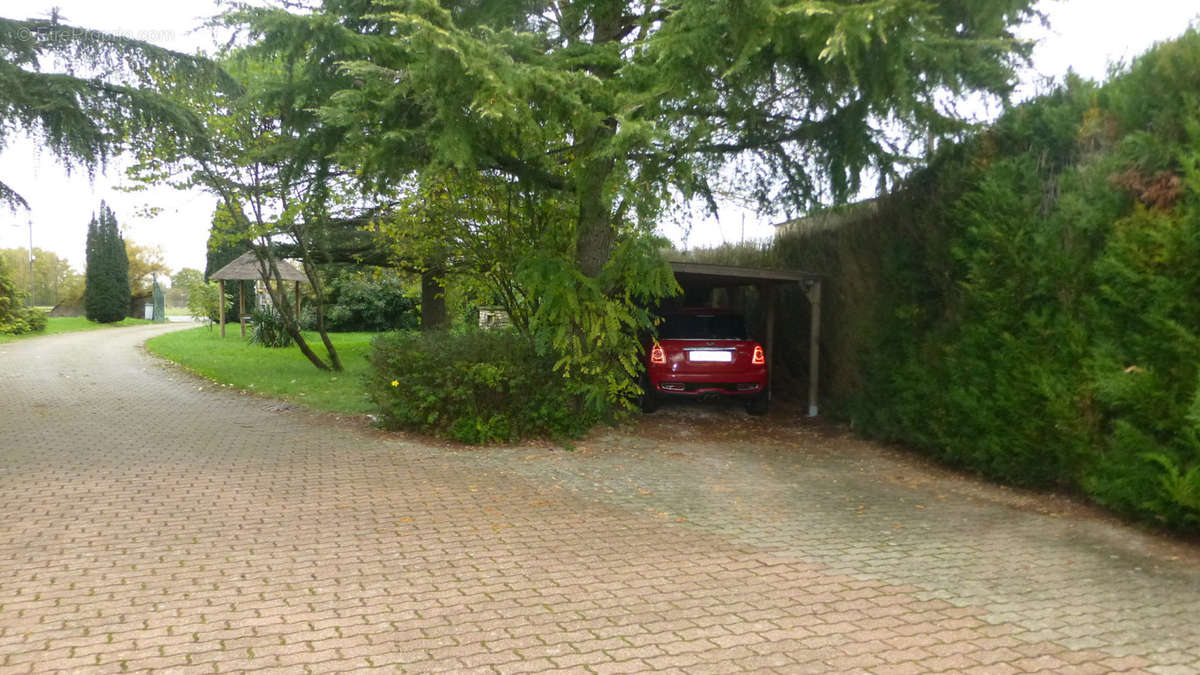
(106,294)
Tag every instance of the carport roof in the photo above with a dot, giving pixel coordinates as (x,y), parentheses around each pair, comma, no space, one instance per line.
(706,274)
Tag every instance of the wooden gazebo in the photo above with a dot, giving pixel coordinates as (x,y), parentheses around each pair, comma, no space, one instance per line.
(246,268)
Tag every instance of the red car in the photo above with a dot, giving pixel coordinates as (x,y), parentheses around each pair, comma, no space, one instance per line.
(705,353)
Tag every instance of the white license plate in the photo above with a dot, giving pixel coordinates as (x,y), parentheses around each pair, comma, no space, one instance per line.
(711,356)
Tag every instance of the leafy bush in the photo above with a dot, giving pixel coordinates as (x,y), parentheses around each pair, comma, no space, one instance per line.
(267,329)
(366,302)
(22,321)
(475,387)
(202,301)
(14,319)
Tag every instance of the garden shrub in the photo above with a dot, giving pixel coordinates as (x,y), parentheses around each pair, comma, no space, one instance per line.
(366,302)
(15,319)
(473,387)
(267,329)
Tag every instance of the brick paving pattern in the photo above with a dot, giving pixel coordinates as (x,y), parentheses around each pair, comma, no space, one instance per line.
(152,523)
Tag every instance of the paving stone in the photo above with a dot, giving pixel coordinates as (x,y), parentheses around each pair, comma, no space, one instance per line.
(154,522)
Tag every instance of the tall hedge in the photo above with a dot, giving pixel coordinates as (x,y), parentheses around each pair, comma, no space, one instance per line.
(1029,307)
(106,296)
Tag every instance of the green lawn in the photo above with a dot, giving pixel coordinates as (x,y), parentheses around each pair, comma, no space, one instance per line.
(280,373)
(73,324)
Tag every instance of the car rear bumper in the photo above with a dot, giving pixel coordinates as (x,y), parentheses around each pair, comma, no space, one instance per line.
(706,385)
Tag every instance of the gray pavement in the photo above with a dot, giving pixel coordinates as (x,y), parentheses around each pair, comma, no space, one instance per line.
(152,522)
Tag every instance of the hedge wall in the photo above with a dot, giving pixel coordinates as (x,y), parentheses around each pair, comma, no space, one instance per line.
(1029,306)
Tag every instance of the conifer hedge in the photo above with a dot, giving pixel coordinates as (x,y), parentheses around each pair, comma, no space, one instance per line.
(1029,307)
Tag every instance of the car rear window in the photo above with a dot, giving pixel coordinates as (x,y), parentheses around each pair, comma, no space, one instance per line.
(702,327)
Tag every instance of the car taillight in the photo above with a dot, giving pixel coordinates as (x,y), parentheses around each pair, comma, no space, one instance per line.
(759,359)
(657,355)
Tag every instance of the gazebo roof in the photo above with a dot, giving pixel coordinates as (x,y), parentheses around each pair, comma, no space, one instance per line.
(245,268)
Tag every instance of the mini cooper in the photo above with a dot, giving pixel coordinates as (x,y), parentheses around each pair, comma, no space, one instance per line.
(702,354)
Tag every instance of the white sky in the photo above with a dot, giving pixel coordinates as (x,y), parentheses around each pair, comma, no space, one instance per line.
(1085,35)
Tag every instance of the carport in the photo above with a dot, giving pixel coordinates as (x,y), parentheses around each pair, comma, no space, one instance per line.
(704,277)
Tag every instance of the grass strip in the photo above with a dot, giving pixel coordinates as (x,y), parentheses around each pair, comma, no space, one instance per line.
(278,373)
(56,325)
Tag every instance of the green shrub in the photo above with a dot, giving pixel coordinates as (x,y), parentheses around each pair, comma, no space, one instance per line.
(15,319)
(22,321)
(266,329)
(475,387)
(202,301)
(366,302)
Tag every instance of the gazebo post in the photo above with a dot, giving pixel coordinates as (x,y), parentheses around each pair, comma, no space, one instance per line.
(221,302)
(297,302)
(242,306)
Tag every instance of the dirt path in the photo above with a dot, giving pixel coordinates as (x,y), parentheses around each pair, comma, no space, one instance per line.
(150,522)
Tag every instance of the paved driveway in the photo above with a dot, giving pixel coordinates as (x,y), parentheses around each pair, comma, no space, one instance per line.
(149,522)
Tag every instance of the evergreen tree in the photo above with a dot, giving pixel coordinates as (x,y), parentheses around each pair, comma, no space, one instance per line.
(106,295)
(87,95)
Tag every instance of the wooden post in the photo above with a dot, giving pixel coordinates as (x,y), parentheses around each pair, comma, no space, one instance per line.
(297,303)
(769,297)
(221,303)
(242,306)
(814,344)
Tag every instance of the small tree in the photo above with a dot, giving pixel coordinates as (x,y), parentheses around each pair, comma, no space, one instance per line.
(181,283)
(203,299)
(106,294)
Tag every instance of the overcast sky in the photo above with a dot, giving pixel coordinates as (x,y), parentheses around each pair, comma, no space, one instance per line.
(1085,35)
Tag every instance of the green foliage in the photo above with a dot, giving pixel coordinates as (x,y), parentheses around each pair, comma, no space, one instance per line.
(592,332)
(14,319)
(1029,307)
(53,278)
(181,284)
(267,329)
(474,387)
(106,293)
(361,300)
(86,94)
(609,112)
(202,301)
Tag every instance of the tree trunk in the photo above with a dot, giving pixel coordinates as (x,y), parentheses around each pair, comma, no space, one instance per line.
(269,272)
(596,231)
(433,302)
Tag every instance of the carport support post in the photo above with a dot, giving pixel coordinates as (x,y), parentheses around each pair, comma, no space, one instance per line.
(221,303)
(769,298)
(814,344)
